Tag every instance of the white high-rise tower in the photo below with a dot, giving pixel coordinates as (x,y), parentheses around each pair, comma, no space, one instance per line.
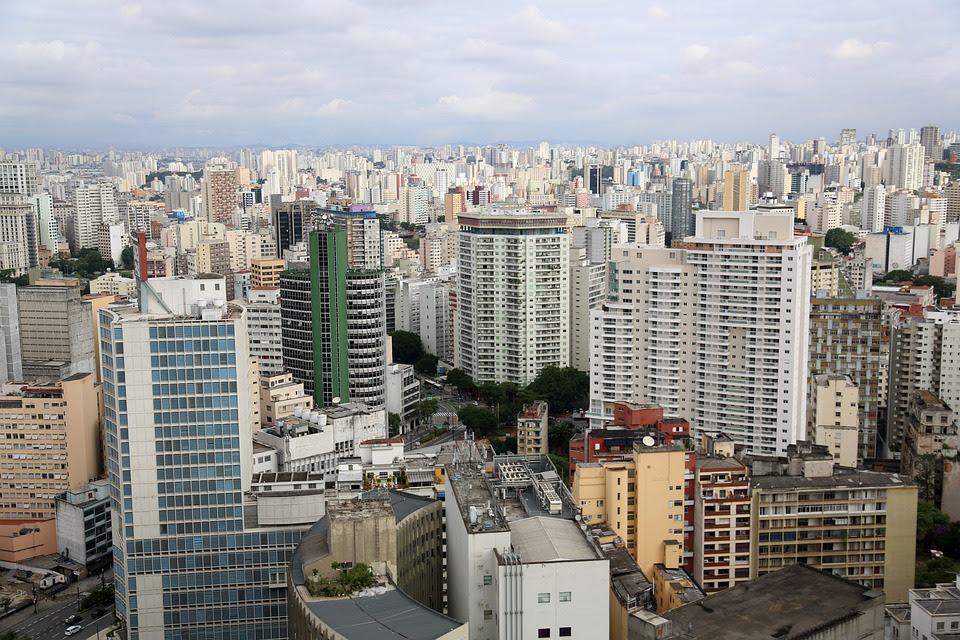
(716,333)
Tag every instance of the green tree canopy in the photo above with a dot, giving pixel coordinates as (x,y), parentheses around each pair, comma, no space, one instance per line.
(126,257)
(481,421)
(426,408)
(427,364)
(394,423)
(460,380)
(840,239)
(564,389)
(407,347)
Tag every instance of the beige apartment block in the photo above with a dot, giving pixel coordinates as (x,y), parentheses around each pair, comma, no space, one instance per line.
(50,439)
(532,427)
(265,272)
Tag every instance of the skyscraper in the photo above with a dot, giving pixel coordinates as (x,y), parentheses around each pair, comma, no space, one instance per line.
(715,333)
(95,206)
(333,322)
(11,360)
(682,223)
(904,167)
(220,194)
(55,328)
(736,190)
(930,139)
(191,558)
(512,295)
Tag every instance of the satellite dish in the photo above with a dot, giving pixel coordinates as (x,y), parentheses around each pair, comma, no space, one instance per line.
(648,441)
(336,400)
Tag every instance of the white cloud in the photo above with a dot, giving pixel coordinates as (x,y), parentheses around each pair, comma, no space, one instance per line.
(855,49)
(492,105)
(657,12)
(695,52)
(336,106)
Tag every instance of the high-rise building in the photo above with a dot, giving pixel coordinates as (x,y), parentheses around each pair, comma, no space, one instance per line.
(725,330)
(846,339)
(11,359)
(18,233)
(904,168)
(682,223)
(930,140)
(436,320)
(19,177)
(924,353)
(56,328)
(873,208)
(588,289)
(63,450)
(512,295)
(263,329)
(220,194)
(833,423)
(326,306)
(736,190)
(192,558)
(291,222)
(848,137)
(95,206)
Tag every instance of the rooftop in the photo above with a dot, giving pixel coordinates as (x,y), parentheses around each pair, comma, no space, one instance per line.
(789,603)
(543,539)
(843,477)
(392,614)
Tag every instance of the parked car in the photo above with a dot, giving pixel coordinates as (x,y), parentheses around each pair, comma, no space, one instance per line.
(99,612)
(74,619)
(72,630)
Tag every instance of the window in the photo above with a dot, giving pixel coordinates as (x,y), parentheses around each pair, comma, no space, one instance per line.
(487,579)
(564,596)
(565,632)
(488,614)
(543,598)
(543,633)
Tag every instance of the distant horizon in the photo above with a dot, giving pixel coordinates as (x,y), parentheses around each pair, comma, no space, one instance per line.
(127,75)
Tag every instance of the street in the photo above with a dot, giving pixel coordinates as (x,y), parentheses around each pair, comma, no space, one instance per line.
(48,622)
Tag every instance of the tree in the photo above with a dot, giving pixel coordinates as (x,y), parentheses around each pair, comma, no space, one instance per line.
(558,437)
(562,464)
(564,389)
(929,518)
(504,445)
(897,276)
(481,421)
(413,242)
(426,408)
(427,364)
(394,423)
(6,275)
(460,380)
(840,239)
(937,570)
(126,257)
(407,347)
(925,472)
(492,393)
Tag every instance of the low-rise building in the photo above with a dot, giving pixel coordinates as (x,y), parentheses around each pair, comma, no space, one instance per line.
(857,524)
(518,564)
(84,533)
(532,428)
(399,536)
(280,396)
(402,391)
(315,440)
(797,602)
(114,284)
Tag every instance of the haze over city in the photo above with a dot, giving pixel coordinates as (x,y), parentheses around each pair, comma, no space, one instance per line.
(137,74)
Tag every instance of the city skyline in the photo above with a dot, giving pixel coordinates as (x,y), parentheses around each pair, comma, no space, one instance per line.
(377,73)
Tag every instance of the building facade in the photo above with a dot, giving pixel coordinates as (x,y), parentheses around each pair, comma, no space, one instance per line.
(512,295)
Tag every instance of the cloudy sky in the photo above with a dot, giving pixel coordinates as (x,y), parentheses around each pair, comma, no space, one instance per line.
(96,73)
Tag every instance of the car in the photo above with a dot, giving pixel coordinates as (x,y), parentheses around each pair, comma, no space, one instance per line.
(73,619)
(99,612)
(72,630)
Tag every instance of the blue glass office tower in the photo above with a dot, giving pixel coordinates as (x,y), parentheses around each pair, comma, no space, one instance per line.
(190,561)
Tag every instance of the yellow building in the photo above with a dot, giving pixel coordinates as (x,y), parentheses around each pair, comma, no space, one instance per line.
(674,588)
(860,525)
(641,499)
(265,272)
(736,190)
(51,444)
